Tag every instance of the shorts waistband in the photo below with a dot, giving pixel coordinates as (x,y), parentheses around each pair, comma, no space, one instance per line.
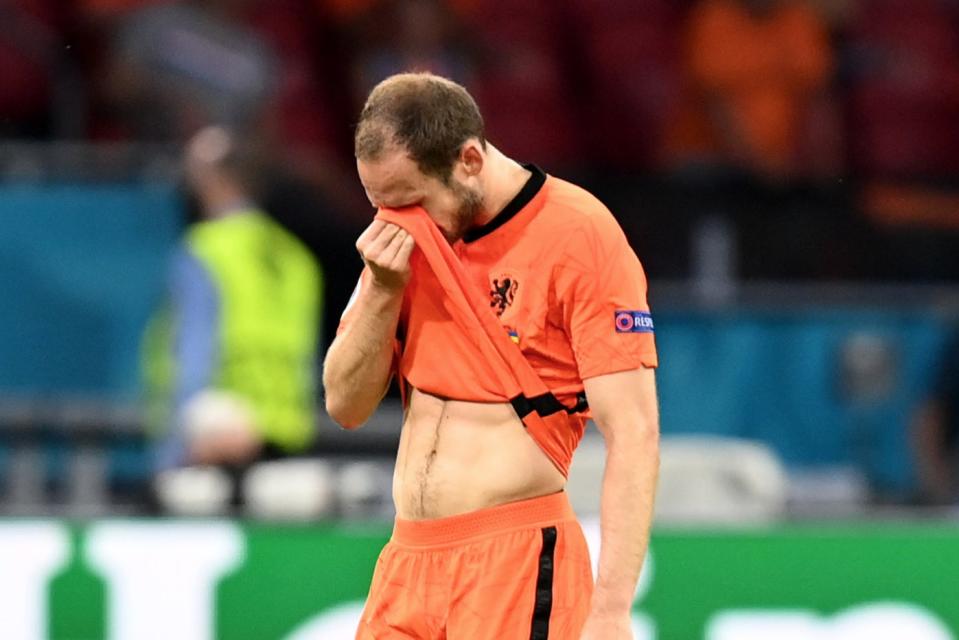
(524,514)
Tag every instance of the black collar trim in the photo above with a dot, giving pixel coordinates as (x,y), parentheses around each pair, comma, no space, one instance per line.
(514,206)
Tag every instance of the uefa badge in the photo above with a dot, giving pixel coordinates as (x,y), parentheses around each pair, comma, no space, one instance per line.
(633,322)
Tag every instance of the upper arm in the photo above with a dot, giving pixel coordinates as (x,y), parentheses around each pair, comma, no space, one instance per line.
(602,288)
(624,403)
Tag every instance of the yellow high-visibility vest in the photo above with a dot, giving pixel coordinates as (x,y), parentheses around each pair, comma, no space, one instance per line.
(269,289)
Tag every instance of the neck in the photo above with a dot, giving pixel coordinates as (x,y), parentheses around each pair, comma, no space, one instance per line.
(504,180)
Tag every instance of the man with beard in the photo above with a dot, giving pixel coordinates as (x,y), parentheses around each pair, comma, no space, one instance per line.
(485,543)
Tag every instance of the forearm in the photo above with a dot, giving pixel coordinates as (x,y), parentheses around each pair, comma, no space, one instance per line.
(626,510)
(358,364)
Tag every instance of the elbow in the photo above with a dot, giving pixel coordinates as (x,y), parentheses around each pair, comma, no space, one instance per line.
(348,403)
(344,414)
(633,437)
(646,439)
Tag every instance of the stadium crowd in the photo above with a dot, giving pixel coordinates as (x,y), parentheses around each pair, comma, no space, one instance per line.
(834,124)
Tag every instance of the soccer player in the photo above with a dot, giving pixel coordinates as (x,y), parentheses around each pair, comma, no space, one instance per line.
(485,544)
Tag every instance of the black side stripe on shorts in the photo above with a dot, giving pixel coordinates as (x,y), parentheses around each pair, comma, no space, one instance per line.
(539,630)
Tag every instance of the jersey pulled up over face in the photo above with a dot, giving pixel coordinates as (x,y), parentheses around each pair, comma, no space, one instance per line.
(558,272)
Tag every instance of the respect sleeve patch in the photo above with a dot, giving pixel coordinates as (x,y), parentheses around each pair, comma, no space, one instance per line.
(633,322)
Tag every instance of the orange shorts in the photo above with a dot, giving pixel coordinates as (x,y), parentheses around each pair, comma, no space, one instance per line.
(518,571)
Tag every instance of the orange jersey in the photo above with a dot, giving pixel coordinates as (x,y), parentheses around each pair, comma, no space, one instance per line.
(556,269)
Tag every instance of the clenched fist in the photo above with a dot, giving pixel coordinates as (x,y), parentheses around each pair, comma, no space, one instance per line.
(386,250)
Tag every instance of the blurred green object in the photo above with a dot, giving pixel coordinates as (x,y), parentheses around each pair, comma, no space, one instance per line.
(268,292)
(270,287)
(232,581)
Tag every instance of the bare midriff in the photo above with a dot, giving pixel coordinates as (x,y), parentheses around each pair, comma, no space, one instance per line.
(455,457)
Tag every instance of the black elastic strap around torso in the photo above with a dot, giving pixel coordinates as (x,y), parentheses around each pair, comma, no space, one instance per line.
(546,405)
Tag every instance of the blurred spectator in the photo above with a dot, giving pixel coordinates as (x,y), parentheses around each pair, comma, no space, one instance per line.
(936,434)
(757,71)
(230,363)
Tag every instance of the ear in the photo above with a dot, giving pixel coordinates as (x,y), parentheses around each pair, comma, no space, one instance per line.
(472,157)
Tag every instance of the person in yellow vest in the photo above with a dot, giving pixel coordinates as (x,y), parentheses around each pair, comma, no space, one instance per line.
(231,357)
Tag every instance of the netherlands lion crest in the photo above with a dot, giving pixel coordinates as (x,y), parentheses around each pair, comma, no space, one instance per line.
(503,293)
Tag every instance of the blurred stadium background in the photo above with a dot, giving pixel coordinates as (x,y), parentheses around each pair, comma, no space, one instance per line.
(787,171)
